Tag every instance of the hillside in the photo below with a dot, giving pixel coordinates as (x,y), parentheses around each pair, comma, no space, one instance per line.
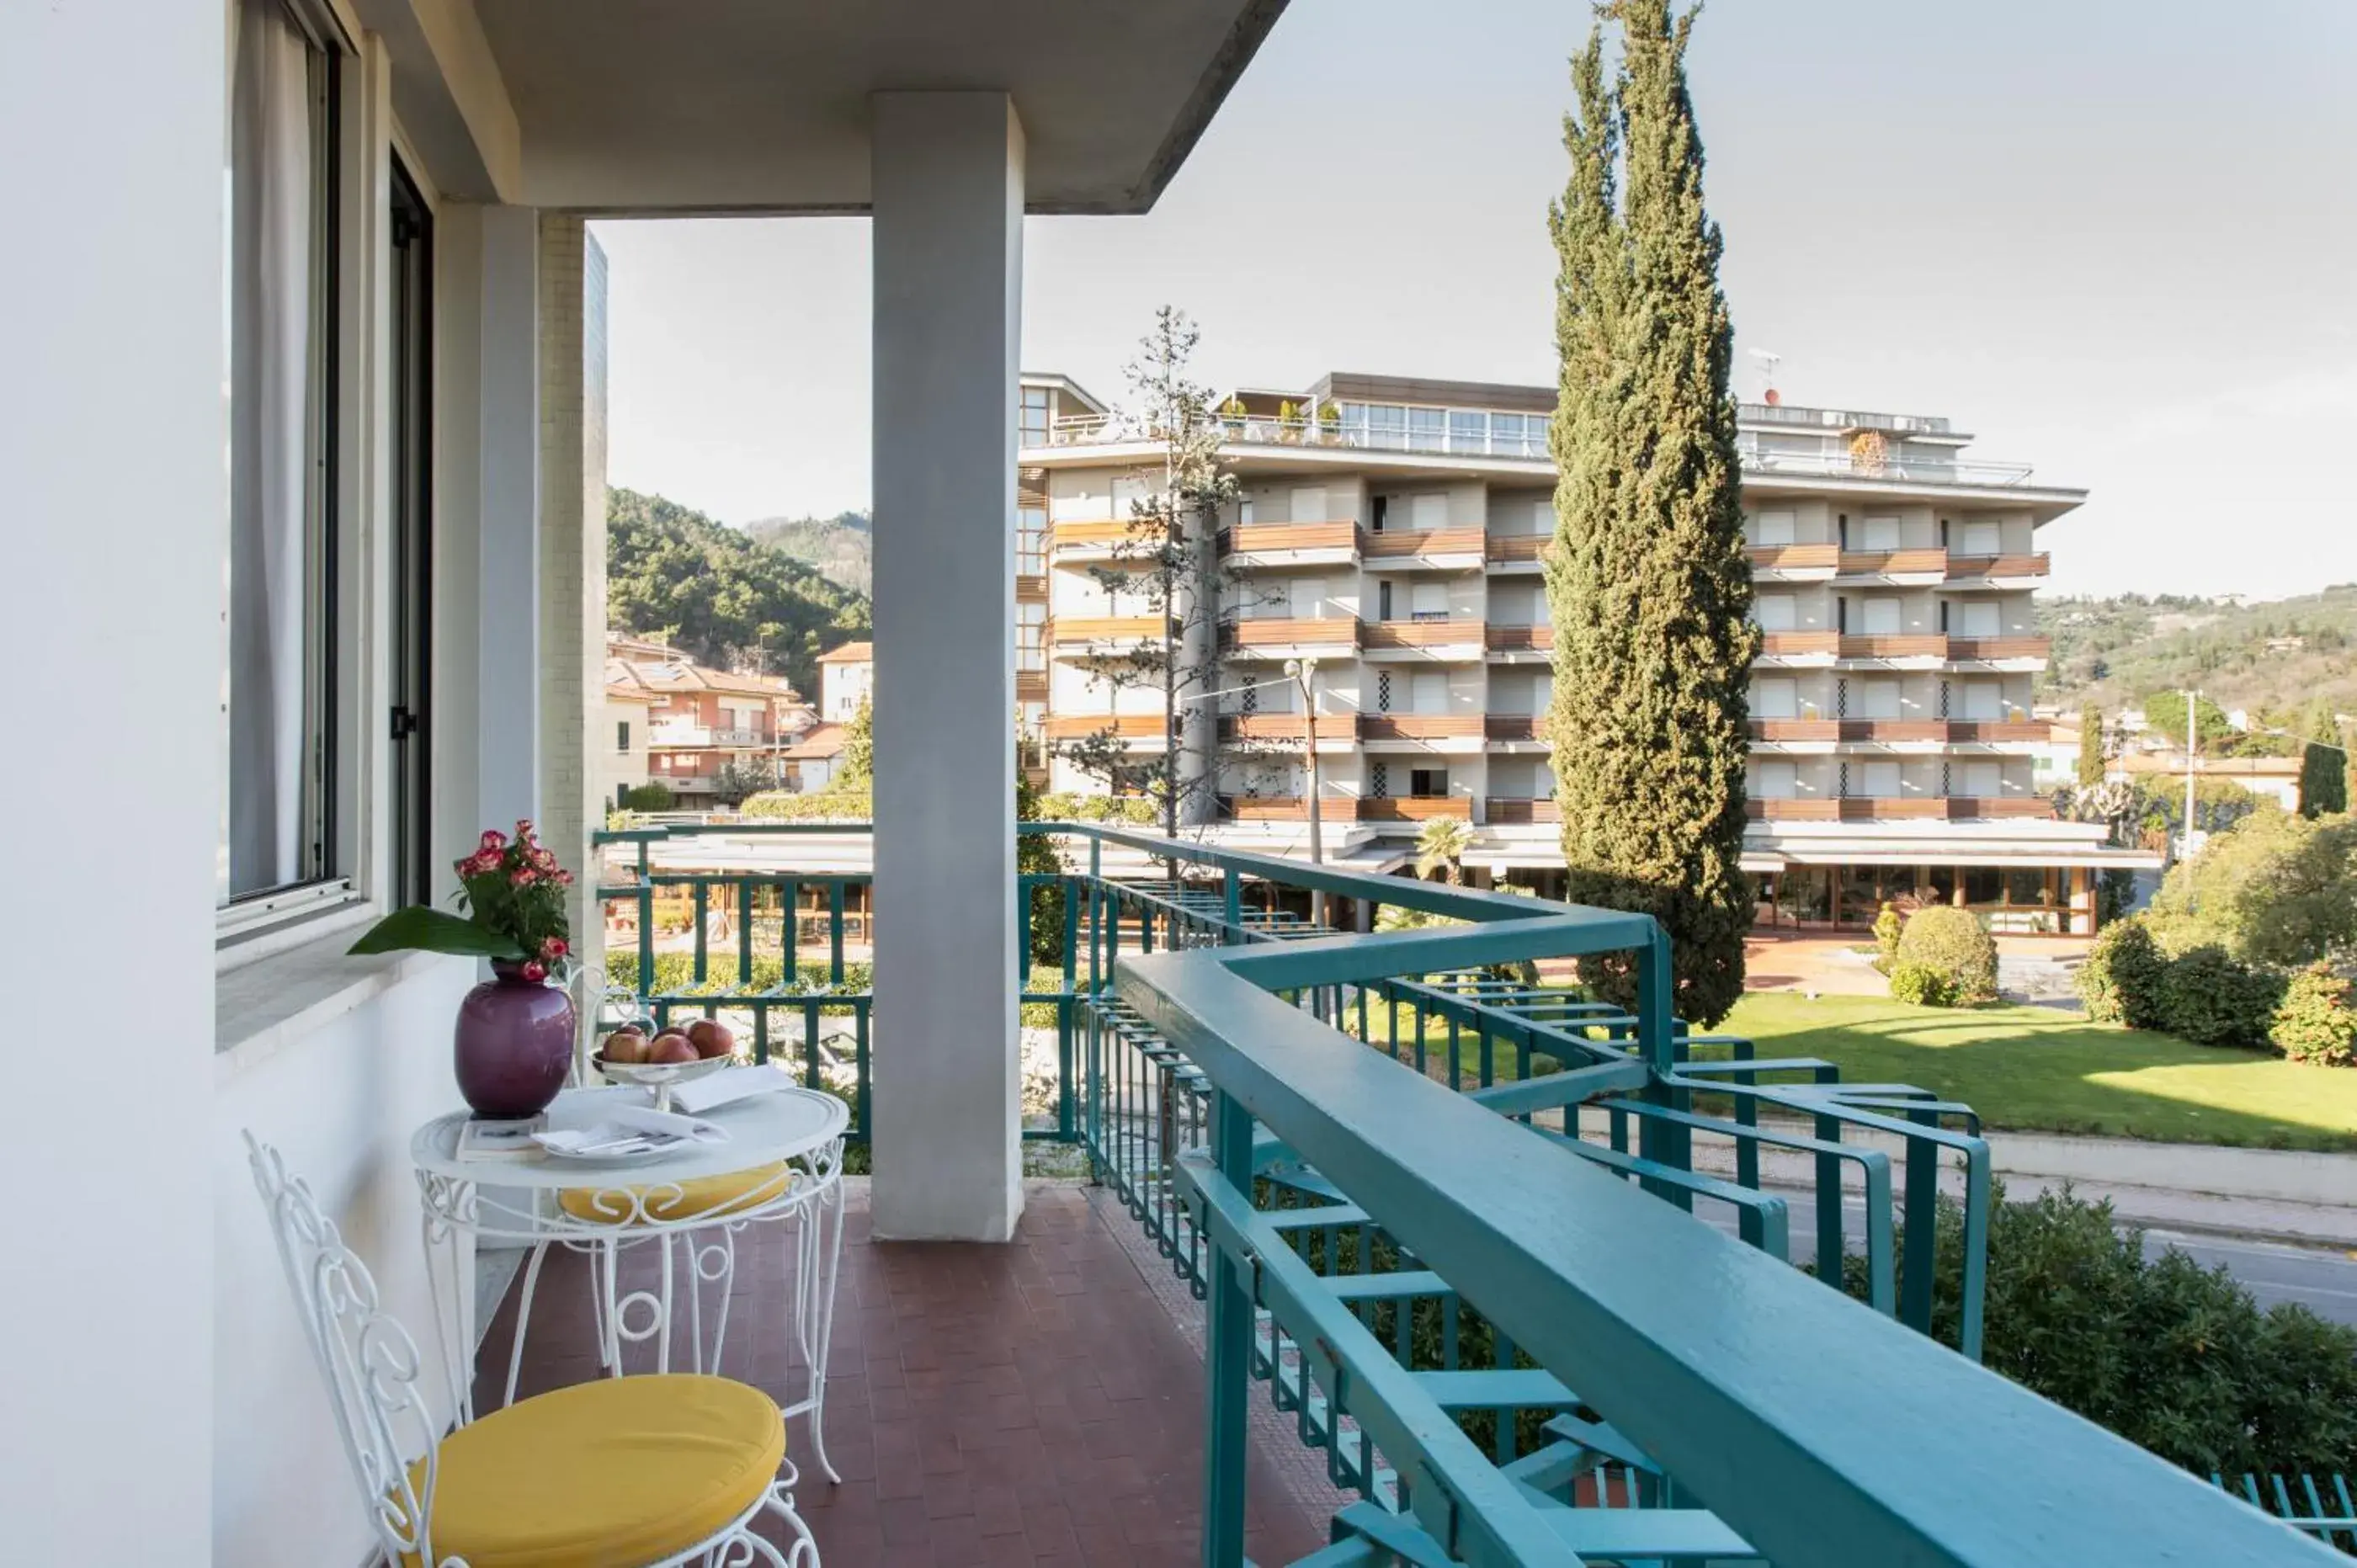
(2276,656)
(722,597)
(840,548)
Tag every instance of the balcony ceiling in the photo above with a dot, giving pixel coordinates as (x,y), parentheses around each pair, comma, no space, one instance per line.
(623,107)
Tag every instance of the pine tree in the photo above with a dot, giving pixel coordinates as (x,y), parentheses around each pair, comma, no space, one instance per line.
(2090,747)
(1648,582)
(2323,766)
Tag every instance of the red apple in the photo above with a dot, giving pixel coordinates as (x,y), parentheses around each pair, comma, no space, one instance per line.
(711,1039)
(670,1049)
(625,1047)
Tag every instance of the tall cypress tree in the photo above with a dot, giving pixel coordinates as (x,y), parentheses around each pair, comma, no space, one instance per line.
(2091,746)
(1648,582)
(2323,769)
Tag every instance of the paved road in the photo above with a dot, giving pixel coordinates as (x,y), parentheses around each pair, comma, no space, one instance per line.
(2324,1281)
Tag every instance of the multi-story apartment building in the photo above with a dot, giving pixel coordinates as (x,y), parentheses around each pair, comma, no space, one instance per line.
(700,721)
(1391,531)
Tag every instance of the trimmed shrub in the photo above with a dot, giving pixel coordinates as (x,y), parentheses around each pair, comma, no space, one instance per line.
(1922,986)
(2208,998)
(1887,927)
(1956,944)
(654,797)
(2120,981)
(815,806)
(2167,1354)
(2315,1023)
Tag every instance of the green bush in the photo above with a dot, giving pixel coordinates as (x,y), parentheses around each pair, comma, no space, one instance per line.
(1887,928)
(654,797)
(2273,888)
(2210,999)
(814,806)
(675,973)
(2315,1023)
(2120,981)
(1956,944)
(1922,986)
(2166,1353)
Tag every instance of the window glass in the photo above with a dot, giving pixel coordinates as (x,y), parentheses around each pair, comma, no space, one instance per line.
(278,683)
(1386,426)
(1035,422)
(1469,431)
(1427,430)
(621,735)
(1031,541)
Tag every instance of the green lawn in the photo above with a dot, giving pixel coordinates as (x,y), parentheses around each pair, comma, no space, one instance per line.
(2038,1070)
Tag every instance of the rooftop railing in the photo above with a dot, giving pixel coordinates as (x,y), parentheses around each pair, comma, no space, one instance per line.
(1451,1222)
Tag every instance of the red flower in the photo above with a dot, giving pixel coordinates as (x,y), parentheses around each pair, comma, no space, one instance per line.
(554,948)
(564,878)
(523,876)
(536,970)
(493,841)
(524,830)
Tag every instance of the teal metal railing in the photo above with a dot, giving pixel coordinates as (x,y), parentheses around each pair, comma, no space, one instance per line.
(1450,1222)
(2322,1505)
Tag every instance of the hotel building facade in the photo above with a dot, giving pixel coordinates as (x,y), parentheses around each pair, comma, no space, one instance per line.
(1393,531)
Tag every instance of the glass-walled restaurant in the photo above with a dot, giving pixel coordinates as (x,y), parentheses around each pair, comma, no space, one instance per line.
(2019,899)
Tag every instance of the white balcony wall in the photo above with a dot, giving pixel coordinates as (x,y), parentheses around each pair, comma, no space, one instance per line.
(1808,521)
(1080,495)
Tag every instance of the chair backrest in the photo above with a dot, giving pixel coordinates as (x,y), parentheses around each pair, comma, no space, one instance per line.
(369,1363)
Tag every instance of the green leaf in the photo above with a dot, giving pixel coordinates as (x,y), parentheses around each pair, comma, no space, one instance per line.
(425,929)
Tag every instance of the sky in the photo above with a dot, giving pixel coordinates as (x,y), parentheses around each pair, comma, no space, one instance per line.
(2116,240)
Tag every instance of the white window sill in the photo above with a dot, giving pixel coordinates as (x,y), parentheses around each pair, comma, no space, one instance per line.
(260,1008)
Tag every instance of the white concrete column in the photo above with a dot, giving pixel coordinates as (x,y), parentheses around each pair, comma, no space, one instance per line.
(572,556)
(507,624)
(111,435)
(947,197)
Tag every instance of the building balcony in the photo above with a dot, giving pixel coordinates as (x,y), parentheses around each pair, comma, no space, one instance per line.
(1900,732)
(2000,571)
(1793,563)
(1897,808)
(1277,636)
(1514,728)
(1929,650)
(1453,640)
(1916,566)
(1335,731)
(1506,642)
(1799,647)
(1093,539)
(1133,731)
(1432,549)
(1517,552)
(1279,544)
(1505,811)
(678,734)
(1423,732)
(1099,636)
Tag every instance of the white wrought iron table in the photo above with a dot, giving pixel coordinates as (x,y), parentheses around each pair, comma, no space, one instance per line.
(782,1162)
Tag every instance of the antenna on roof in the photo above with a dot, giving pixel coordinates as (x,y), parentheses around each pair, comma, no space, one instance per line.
(1768,360)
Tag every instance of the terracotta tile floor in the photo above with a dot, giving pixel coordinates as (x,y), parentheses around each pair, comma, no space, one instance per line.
(1035,1403)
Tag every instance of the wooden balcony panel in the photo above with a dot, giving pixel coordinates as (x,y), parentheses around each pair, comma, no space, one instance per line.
(1794,729)
(1792,811)
(1986,732)
(1969,806)
(1290,809)
(1419,727)
(1893,808)
(1520,638)
(1279,726)
(1998,647)
(1420,633)
(1792,644)
(1031,686)
(1894,562)
(1891,730)
(1395,544)
(1330,631)
(1899,645)
(1503,548)
(2037,565)
(1256,538)
(1415,808)
(1512,727)
(1124,726)
(1795,557)
(1089,534)
(1030,588)
(1106,629)
(1503,812)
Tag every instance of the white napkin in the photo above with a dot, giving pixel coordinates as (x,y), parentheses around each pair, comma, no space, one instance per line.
(730,1085)
(629,1130)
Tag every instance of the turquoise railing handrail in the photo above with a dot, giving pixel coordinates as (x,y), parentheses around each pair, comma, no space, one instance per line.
(1819,1430)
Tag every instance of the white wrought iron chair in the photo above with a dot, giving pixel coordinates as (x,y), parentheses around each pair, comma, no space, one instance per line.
(654,1472)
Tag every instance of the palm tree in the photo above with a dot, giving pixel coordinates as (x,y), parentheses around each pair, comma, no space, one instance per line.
(1440,843)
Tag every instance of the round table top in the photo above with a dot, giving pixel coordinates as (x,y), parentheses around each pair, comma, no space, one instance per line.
(763,1129)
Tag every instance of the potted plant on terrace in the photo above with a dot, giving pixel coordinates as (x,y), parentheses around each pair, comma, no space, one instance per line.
(1289,422)
(1329,423)
(513,1044)
(1232,416)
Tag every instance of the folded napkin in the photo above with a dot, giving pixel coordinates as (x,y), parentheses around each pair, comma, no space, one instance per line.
(730,1085)
(629,1130)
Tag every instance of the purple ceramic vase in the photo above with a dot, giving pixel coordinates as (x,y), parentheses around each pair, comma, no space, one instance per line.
(513,1044)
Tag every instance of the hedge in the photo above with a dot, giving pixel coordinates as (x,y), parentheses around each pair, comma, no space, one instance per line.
(2120,981)
(2208,998)
(2314,1023)
(1922,986)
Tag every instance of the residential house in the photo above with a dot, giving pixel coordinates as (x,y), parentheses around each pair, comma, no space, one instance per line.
(846,677)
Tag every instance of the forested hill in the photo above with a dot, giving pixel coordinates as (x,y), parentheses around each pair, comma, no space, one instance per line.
(2276,656)
(722,597)
(842,548)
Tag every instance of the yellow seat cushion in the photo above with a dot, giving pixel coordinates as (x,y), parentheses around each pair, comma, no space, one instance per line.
(624,1471)
(734,1193)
